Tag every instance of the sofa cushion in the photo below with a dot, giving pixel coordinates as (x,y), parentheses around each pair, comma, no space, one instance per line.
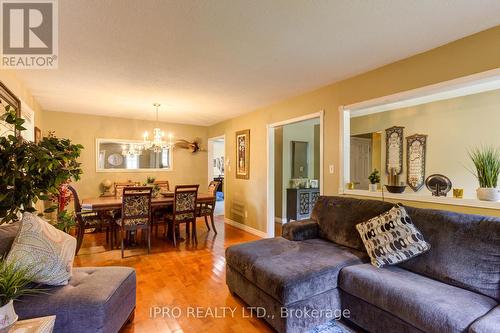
(45,250)
(8,233)
(427,304)
(465,250)
(95,300)
(391,238)
(487,324)
(337,218)
(292,271)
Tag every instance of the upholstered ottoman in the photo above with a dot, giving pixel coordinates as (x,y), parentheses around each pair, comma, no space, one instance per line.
(95,300)
(295,282)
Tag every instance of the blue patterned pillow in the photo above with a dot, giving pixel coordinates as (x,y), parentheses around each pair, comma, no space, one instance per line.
(392,238)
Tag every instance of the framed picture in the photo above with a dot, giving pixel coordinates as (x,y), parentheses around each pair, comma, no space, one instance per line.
(394,150)
(243,154)
(415,160)
(7,97)
(38,135)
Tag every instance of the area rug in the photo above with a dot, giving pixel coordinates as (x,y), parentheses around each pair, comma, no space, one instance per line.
(330,327)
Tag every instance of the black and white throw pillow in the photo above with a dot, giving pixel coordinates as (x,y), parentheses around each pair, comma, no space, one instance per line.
(391,238)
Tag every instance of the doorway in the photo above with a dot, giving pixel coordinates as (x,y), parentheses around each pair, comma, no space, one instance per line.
(295,168)
(216,168)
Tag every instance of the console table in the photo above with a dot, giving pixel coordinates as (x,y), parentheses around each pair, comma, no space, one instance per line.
(300,202)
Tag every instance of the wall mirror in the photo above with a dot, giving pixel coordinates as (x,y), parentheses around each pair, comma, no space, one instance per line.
(114,155)
(300,150)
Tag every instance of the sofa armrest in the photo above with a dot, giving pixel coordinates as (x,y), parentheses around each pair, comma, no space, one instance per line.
(488,323)
(300,230)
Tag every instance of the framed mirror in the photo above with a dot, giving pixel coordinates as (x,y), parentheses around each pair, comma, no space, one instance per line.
(115,155)
(415,161)
(7,97)
(394,149)
(300,160)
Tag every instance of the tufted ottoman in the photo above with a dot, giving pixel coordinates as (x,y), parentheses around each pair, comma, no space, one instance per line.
(97,299)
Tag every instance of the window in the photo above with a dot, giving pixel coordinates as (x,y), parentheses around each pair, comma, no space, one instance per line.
(132,162)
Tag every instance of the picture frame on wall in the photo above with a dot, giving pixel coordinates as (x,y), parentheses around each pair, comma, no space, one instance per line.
(243,154)
(7,97)
(416,146)
(394,150)
(38,135)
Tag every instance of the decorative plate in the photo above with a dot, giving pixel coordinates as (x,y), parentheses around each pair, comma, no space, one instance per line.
(115,159)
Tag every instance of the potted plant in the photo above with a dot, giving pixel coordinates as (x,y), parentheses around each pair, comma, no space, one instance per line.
(33,171)
(374,179)
(150,181)
(487,169)
(14,283)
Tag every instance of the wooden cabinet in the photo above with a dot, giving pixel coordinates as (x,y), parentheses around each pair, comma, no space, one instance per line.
(300,203)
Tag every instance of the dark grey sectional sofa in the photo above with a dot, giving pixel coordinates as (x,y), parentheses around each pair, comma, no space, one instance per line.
(321,265)
(97,299)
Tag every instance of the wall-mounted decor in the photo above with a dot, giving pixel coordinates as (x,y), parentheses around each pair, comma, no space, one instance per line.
(243,154)
(415,161)
(394,150)
(7,98)
(38,135)
(438,184)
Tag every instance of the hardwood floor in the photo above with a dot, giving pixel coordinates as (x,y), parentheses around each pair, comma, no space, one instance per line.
(189,276)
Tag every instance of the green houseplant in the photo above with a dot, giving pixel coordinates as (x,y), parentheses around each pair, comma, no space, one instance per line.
(486,162)
(374,179)
(14,283)
(32,171)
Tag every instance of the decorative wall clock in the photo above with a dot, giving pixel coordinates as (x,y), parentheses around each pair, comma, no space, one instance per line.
(415,161)
(394,149)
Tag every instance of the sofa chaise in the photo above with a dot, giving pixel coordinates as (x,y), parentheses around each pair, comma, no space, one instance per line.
(321,264)
(96,299)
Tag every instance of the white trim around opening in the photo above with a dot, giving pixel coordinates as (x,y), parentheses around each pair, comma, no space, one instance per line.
(270,162)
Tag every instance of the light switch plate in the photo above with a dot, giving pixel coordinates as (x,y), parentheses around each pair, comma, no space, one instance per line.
(331,168)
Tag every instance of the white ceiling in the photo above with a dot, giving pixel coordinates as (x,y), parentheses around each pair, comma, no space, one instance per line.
(207,61)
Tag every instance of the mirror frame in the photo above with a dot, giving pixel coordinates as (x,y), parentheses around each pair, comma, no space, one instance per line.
(98,141)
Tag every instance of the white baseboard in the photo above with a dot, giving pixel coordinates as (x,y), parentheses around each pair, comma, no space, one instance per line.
(246,228)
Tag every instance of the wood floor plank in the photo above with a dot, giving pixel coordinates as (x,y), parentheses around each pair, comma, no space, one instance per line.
(188,276)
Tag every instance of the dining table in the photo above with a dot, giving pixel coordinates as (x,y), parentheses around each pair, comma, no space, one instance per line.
(97,204)
(162,200)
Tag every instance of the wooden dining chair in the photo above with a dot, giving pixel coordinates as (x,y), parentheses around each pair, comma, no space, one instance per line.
(184,210)
(206,209)
(89,220)
(120,186)
(136,213)
(163,184)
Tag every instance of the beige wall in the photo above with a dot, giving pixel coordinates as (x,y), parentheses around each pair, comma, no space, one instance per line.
(453,127)
(188,168)
(10,79)
(473,54)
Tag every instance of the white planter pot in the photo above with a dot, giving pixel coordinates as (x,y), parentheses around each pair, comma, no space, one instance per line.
(488,194)
(8,317)
(373,187)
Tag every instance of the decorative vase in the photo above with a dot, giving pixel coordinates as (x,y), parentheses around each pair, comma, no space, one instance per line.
(8,317)
(488,194)
(373,187)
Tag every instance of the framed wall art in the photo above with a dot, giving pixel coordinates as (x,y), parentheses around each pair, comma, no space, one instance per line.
(394,150)
(243,154)
(415,161)
(7,98)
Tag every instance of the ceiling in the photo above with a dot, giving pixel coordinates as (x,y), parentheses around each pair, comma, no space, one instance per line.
(207,61)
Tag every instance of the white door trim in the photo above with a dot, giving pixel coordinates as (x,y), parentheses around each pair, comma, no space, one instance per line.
(270,161)
(210,159)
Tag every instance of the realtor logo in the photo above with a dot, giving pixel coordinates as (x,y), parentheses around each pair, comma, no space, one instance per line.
(29,34)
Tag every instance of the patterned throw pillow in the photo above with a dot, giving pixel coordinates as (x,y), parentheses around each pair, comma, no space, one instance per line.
(46,250)
(391,238)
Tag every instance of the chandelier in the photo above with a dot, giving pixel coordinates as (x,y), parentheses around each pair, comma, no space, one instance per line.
(132,150)
(156,144)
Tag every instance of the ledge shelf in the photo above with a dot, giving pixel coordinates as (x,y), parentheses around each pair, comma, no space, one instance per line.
(467,202)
